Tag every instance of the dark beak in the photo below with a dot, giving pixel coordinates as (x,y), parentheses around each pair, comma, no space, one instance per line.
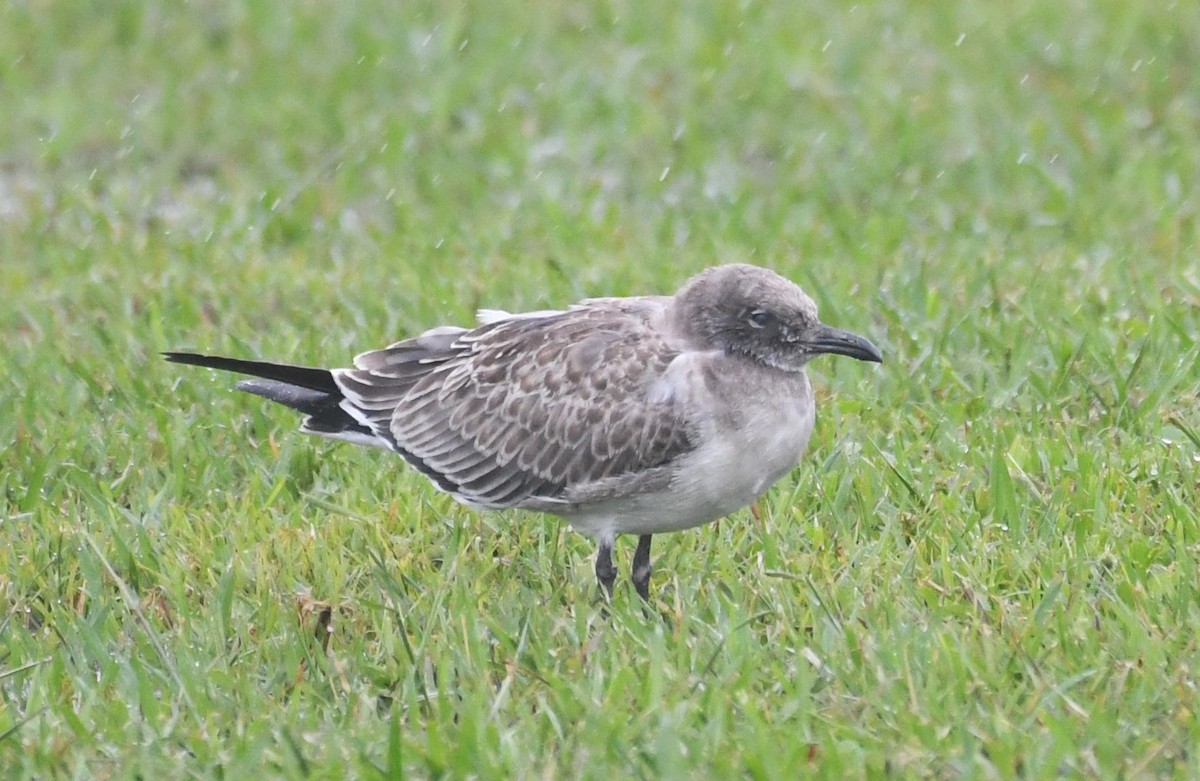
(831,340)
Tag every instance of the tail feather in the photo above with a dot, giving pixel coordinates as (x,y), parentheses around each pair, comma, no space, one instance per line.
(315,393)
(310,391)
(302,376)
(310,402)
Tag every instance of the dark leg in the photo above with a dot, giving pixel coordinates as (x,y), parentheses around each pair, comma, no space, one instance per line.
(606,573)
(642,567)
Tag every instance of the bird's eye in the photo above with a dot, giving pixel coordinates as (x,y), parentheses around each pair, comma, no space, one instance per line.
(760,318)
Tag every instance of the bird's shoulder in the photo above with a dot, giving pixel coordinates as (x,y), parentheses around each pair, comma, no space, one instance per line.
(596,346)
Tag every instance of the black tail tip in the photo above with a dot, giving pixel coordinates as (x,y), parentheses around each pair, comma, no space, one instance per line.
(194,359)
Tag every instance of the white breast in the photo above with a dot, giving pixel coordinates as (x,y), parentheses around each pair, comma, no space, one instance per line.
(760,437)
(740,463)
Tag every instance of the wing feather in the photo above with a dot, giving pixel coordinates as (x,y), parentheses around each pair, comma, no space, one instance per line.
(526,410)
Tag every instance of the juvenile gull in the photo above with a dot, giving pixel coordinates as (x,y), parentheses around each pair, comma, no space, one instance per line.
(637,415)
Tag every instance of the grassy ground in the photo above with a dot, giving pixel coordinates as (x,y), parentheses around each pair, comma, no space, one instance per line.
(987,567)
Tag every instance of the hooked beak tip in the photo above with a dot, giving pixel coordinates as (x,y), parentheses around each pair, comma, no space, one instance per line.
(837,342)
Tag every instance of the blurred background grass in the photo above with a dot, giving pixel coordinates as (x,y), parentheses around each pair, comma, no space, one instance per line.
(985,568)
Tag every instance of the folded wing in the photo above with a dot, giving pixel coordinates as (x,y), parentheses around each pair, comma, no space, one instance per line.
(524,411)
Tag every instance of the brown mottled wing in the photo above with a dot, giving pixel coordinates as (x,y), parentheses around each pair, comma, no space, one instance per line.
(521,410)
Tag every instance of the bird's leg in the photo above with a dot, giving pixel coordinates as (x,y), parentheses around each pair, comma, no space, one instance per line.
(642,567)
(606,572)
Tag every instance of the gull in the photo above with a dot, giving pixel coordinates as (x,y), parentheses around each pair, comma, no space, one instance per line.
(639,415)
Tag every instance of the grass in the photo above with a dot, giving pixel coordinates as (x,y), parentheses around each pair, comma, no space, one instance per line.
(985,568)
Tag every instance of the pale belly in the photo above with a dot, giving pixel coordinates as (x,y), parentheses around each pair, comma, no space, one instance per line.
(733,468)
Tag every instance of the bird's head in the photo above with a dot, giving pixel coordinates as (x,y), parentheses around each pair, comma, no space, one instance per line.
(757,314)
